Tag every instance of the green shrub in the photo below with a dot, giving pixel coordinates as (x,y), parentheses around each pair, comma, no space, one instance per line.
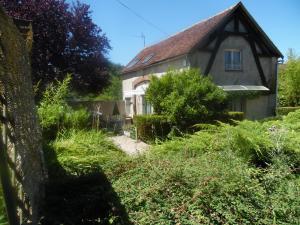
(76,119)
(82,152)
(186,97)
(56,115)
(216,177)
(282,111)
(150,127)
(242,174)
(236,116)
(208,187)
(251,140)
(78,190)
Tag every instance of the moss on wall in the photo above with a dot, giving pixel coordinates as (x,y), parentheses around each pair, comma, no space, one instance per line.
(25,139)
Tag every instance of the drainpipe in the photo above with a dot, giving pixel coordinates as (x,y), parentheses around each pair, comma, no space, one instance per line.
(279,61)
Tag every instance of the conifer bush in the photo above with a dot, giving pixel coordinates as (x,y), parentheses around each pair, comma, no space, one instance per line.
(223,174)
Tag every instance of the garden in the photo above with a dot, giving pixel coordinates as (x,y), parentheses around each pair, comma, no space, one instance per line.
(206,165)
(220,173)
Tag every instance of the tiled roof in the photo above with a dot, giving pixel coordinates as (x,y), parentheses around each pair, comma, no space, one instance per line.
(176,45)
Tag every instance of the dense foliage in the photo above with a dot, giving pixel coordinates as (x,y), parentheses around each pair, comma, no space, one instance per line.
(65,40)
(186,97)
(152,127)
(282,111)
(56,115)
(224,175)
(113,91)
(243,174)
(289,81)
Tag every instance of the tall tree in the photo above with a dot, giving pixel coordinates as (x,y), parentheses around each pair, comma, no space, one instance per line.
(86,49)
(289,81)
(65,40)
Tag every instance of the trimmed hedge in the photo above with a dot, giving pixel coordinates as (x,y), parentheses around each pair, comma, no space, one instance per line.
(282,111)
(231,116)
(236,116)
(150,127)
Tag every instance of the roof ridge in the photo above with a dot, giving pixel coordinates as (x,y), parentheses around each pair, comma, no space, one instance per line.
(189,27)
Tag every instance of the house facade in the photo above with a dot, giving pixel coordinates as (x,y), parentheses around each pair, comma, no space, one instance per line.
(230,46)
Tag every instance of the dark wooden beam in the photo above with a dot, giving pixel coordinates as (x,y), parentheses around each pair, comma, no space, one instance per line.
(236,24)
(236,33)
(263,55)
(257,62)
(220,38)
(206,50)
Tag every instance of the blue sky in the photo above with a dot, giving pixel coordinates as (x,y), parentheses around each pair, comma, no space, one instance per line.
(280,19)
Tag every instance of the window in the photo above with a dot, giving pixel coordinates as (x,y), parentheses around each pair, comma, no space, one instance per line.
(133,62)
(147,108)
(238,105)
(233,60)
(127,105)
(147,58)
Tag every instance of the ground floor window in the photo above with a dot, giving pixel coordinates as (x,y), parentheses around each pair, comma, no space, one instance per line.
(238,105)
(147,108)
(127,105)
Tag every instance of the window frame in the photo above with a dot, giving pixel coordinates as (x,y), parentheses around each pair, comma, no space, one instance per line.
(146,106)
(232,65)
(128,104)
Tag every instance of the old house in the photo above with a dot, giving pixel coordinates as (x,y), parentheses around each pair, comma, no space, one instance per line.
(230,46)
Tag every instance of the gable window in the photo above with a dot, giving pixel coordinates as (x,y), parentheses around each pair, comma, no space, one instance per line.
(233,59)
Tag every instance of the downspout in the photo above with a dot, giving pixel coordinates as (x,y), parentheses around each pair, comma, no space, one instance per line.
(279,61)
(187,62)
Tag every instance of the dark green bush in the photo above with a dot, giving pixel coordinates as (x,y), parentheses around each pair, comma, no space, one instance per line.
(282,111)
(230,117)
(150,127)
(186,97)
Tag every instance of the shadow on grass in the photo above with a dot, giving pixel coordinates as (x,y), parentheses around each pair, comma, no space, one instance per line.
(88,199)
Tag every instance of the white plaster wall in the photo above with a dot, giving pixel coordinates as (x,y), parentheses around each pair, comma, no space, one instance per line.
(156,70)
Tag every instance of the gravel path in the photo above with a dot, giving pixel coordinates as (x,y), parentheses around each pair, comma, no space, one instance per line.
(130,146)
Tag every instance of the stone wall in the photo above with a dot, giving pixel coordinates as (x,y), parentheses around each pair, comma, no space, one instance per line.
(22,129)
